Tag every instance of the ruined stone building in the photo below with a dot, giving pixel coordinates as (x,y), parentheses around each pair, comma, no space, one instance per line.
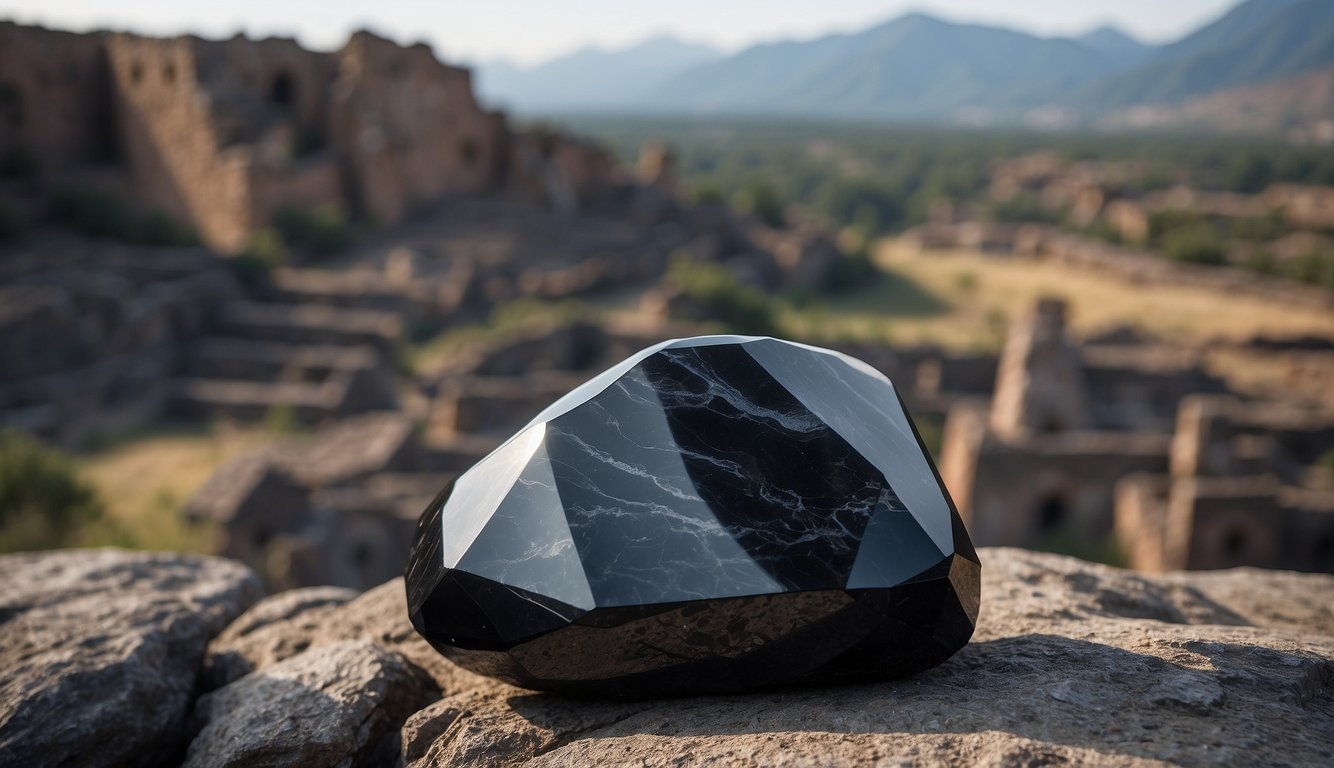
(91,341)
(1117,435)
(1239,491)
(222,134)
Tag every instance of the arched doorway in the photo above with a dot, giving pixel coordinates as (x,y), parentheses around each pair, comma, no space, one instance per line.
(282,89)
(1052,513)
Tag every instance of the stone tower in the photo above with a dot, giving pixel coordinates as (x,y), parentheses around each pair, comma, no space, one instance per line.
(1040,386)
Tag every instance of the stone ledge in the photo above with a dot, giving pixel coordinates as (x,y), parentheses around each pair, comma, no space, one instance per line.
(1071,662)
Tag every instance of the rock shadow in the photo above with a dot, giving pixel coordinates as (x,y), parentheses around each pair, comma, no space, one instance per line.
(1209,702)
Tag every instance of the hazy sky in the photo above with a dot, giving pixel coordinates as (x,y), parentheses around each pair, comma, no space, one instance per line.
(528,31)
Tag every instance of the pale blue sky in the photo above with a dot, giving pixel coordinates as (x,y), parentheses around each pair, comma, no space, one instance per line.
(527,31)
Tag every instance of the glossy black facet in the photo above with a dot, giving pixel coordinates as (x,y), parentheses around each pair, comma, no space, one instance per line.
(712,514)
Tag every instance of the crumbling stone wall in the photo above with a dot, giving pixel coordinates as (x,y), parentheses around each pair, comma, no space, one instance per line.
(408,128)
(1234,494)
(223,134)
(1040,387)
(55,97)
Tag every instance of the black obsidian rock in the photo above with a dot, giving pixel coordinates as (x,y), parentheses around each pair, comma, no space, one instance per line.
(712,514)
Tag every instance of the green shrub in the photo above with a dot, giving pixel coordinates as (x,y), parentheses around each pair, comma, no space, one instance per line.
(1095,549)
(1195,245)
(322,230)
(43,502)
(94,213)
(1315,267)
(1101,230)
(855,269)
(760,199)
(708,193)
(265,253)
(281,419)
(1267,227)
(1261,261)
(1021,208)
(1164,223)
(965,281)
(741,308)
(157,228)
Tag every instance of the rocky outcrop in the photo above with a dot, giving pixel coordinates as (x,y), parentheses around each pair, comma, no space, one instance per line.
(340,704)
(100,652)
(380,615)
(1071,663)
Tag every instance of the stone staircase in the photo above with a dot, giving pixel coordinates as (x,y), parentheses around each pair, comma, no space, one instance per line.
(301,354)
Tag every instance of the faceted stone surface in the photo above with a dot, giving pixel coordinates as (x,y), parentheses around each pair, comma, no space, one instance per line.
(711,514)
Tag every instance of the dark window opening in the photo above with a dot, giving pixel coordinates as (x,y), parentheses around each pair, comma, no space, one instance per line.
(11,103)
(137,72)
(469,153)
(169,73)
(1234,545)
(1323,552)
(1052,514)
(362,556)
(282,90)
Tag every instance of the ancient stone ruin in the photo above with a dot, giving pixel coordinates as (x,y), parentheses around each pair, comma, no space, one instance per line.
(1123,436)
(223,134)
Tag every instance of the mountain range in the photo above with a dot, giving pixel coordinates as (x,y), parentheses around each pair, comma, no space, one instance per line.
(919,67)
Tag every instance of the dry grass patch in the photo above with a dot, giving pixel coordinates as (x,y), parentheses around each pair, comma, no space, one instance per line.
(964,300)
(143,482)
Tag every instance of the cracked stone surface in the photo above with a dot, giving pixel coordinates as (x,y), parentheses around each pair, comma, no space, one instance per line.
(338,704)
(318,616)
(102,652)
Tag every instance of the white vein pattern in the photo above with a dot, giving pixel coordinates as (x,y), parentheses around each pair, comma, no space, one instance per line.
(480,490)
(700,518)
(644,534)
(868,415)
(527,545)
(792,520)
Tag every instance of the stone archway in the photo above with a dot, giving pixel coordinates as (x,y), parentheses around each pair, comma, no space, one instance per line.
(283,90)
(1051,514)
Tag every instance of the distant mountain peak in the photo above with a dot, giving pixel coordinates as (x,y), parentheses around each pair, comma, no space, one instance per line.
(593,76)
(920,66)
(1109,32)
(1114,42)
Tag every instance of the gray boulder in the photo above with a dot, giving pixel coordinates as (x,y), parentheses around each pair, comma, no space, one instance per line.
(277,627)
(316,617)
(100,651)
(337,705)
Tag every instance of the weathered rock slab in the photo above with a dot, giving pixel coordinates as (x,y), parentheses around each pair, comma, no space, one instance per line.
(277,627)
(103,652)
(100,652)
(1071,663)
(318,616)
(339,705)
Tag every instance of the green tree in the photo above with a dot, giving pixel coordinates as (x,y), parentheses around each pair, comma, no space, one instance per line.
(1196,245)
(43,502)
